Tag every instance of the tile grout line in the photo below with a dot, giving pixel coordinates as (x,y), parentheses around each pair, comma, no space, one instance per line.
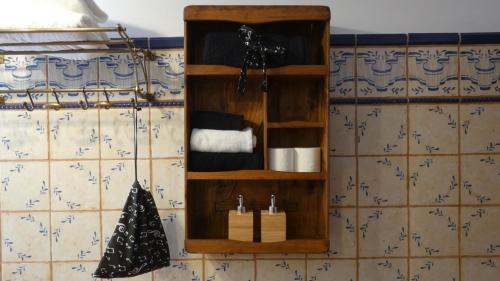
(148,82)
(90,159)
(98,61)
(49,170)
(408,209)
(281,259)
(356,159)
(459,226)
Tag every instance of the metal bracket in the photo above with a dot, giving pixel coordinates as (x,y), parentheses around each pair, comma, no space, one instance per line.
(2,59)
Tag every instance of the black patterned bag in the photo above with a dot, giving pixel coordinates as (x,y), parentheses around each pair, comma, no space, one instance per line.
(138,244)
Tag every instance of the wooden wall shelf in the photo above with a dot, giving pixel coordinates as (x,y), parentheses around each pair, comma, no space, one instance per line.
(292,113)
(292,245)
(290,70)
(254,175)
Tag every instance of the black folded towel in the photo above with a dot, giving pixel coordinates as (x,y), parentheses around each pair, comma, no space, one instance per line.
(216,120)
(210,162)
(226,48)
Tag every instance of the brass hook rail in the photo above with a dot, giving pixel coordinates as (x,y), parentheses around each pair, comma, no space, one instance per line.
(138,56)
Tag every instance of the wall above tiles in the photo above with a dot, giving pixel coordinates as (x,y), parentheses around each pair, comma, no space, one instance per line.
(165,18)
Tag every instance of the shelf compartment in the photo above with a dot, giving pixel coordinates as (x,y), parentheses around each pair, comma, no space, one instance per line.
(295,125)
(296,99)
(228,246)
(209,202)
(223,70)
(253,175)
(313,32)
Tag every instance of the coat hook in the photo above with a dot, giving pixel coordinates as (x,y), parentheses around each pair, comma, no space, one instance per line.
(84,105)
(25,104)
(135,104)
(54,105)
(104,104)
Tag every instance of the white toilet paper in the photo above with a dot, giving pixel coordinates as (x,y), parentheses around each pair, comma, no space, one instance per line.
(307,159)
(281,159)
(298,159)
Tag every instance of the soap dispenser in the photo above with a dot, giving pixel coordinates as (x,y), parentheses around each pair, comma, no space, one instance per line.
(240,223)
(273,223)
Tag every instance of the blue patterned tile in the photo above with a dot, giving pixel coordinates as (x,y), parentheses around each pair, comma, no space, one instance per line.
(75,271)
(76,236)
(383,269)
(479,123)
(74,134)
(168,183)
(479,71)
(331,270)
(383,232)
(342,130)
(25,237)
(433,180)
(382,129)
(117,71)
(191,270)
(21,72)
(70,194)
(441,137)
(479,179)
(342,222)
(167,74)
(480,231)
(33,177)
(342,63)
(174,226)
(343,181)
(23,135)
(434,231)
(167,132)
(382,181)
(229,270)
(433,71)
(381,72)
(281,270)
(65,73)
(480,269)
(26,271)
(434,269)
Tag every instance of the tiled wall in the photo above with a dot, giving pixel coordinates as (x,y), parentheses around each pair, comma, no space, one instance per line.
(414,153)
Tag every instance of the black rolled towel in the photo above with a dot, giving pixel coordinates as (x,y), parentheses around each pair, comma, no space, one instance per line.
(211,162)
(217,120)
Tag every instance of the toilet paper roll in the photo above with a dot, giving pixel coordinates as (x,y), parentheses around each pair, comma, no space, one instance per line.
(281,159)
(307,159)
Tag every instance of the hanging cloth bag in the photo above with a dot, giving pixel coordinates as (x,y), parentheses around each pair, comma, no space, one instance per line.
(138,244)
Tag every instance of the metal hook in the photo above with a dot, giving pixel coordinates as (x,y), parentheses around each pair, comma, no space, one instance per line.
(84,105)
(135,104)
(25,104)
(55,105)
(104,104)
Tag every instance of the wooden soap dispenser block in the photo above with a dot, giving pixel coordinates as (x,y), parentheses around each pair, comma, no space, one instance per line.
(273,223)
(240,223)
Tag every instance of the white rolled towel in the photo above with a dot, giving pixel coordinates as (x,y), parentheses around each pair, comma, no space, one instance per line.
(230,141)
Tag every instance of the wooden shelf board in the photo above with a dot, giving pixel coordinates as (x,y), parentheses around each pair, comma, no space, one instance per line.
(295,124)
(255,14)
(254,175)
(230,246)
(224,70)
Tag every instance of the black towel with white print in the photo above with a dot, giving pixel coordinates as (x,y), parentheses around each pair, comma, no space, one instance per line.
(138,244)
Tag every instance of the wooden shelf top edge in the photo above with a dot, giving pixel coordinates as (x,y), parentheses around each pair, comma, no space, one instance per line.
(254,175)
(296,124)
(297,70)
(256,13)
(230,246)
